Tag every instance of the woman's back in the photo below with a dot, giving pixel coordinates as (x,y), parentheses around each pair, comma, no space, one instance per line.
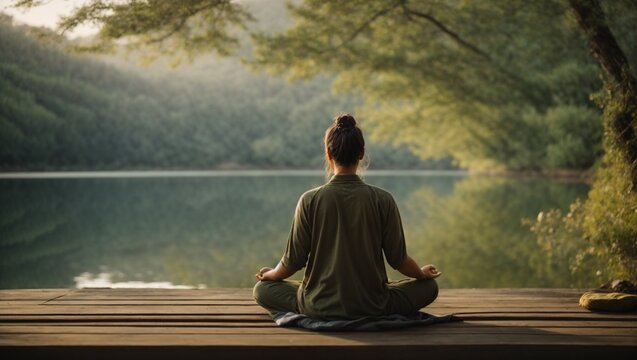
(339,232)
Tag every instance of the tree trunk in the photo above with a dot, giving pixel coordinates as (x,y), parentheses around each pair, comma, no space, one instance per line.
(621,108)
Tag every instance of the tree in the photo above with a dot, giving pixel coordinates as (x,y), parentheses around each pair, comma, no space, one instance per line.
(186,27)
(621,108)
(484,81)
(475,80)
(605,225)
(442,77)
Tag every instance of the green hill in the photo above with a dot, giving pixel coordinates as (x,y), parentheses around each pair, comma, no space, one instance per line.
(61,111)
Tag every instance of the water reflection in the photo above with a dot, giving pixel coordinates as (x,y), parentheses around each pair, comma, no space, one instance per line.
(217,231)
(105,280)
(476,236)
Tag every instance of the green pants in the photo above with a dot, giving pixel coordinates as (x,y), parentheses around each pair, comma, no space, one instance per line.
(406,296)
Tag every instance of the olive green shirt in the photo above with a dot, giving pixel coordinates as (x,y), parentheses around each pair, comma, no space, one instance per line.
(339,232)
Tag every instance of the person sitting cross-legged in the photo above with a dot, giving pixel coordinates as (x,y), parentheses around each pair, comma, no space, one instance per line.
(339,233)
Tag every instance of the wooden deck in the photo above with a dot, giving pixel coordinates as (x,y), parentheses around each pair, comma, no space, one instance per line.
(226,323)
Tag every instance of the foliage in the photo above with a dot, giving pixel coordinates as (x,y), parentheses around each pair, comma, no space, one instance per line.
(186,27)
(574,137)
(599,233)
(436,78)
(611,222)
(561,238)
(604,227)
(432,76)
(63,111)
(474,234)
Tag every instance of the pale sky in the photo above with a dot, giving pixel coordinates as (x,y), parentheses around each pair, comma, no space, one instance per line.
(47,15)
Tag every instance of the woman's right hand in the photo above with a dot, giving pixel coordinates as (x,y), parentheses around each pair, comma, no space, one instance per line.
(260,274)
(430,271)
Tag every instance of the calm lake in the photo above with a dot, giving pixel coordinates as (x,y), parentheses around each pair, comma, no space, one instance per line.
(217,229)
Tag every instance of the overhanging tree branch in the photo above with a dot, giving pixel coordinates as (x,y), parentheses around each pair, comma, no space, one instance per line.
(454,35)
(536,98)
(150,22)
(362,27)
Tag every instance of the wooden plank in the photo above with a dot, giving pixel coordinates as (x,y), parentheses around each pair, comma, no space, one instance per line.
(179,323)
(32,296)
(542,316)
(544,292)
(438,352)
(149,314)
(514,306)
(254,308)
(243,292)
(510,322)
(445,303)
(32,292)
(268,323)
(63,301)
(514,291)
(447,297)
(135,301)
(264,317)
(174,297)
(131,318)
(501,300)
(465,329)
(315,339)
(122,309)
(162,292)
(574,312)
(237,296)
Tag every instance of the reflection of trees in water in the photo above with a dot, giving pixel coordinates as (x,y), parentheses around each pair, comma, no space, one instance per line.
(476,236)
(218,231)
(212,231)
(143,228)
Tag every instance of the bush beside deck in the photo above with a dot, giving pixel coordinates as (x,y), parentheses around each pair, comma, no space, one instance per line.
(220,323)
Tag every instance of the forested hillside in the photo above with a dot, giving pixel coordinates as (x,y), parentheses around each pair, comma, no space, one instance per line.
(62,111)
(518,102)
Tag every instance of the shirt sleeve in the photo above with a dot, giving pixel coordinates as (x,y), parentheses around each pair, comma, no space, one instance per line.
(299,239)
(393,237)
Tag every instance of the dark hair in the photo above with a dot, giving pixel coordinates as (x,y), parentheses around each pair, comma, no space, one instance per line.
(344,140)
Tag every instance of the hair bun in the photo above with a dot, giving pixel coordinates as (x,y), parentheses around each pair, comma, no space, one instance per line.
(345,121)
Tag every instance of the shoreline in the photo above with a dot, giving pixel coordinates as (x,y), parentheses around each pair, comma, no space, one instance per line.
(71,174)
(214,173)
(558,173)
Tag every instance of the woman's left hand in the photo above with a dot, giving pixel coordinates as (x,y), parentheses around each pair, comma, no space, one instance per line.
(261,274)
(430,271)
